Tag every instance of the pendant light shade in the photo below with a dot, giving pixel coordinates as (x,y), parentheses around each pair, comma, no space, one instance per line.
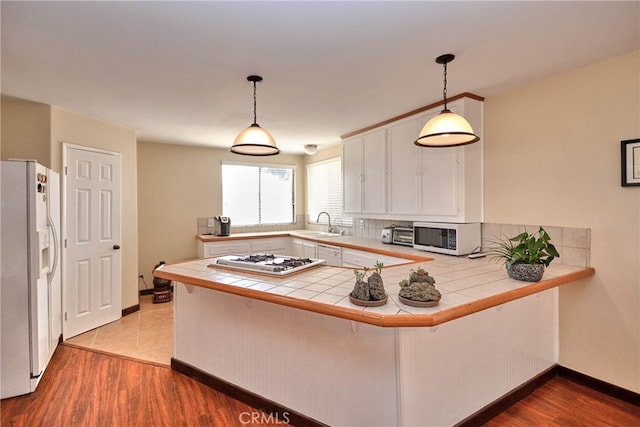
(447,129)
(254,140)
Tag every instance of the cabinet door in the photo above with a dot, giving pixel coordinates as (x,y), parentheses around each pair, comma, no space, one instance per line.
(303,248)
(440,180)
(215,249)
(352,175)
(278,246)
(404,168)
(309,250)
(296,247)
(374,171)
(358,259)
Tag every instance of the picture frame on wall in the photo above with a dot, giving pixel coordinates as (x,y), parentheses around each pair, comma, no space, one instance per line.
(630,166)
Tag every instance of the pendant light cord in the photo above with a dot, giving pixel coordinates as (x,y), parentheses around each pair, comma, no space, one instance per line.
(255,120)
(444,90)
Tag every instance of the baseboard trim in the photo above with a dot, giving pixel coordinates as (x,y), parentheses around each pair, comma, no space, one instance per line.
(130,310)
(600,386)
(496,407)
(480,417)
(277,413)
(511,398)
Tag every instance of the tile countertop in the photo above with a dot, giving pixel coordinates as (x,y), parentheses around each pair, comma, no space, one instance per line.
(467,285)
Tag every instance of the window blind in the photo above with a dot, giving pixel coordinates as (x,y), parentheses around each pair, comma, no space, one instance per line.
(254,194)
(324,192)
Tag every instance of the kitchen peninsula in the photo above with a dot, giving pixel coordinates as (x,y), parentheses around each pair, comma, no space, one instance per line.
(299,342)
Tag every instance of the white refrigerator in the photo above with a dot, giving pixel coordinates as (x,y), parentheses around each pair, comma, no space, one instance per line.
(30,289)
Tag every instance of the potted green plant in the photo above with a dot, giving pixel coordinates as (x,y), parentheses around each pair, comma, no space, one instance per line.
(369,292)
(419,289)
(376,284)
(361,289)
(525,255)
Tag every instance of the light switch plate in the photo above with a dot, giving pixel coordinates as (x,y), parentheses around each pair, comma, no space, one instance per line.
(211,222)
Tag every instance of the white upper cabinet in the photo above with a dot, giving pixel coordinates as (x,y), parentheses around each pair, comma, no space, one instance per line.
(440,180)
(364,168)
(423,184)
(404,167)
(352,175)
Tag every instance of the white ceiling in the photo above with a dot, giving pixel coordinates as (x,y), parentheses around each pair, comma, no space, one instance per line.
(176,71)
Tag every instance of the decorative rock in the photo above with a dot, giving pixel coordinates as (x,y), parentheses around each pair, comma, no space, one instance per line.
(420,291)
(361,291)
(422,277)
(376,287)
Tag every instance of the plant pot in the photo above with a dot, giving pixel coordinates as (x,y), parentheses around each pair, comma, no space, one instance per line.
(413,303)
(370,303)
(526,272)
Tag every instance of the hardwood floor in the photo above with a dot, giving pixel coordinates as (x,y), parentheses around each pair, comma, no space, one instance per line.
(86,388)
(561,402)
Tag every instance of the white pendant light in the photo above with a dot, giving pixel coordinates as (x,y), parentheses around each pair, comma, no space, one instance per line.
(254,140)
(447,129)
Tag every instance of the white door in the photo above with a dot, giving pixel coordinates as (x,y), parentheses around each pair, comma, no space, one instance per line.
(92,260)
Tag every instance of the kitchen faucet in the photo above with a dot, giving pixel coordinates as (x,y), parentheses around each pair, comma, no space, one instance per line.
(330,228)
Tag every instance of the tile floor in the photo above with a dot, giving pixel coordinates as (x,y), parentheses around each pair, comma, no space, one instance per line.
(146,334)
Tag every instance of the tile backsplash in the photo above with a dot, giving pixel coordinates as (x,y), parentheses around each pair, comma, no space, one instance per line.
(203,229)
(573,244)
(373,227)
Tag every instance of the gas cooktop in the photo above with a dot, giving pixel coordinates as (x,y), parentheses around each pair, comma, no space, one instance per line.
(268,263)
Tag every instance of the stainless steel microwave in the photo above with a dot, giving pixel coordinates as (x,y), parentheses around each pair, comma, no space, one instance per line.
(445,238)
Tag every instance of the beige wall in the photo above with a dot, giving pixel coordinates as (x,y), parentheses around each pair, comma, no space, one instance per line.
(37,131)
(552,156)
(177,185)
(26,130)
(325,154)
(81,130)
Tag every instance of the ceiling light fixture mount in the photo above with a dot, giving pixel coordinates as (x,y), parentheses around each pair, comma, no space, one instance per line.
(254,140)
(447,129)
(310,149)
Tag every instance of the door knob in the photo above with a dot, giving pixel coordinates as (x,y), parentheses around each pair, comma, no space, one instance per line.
(116,247)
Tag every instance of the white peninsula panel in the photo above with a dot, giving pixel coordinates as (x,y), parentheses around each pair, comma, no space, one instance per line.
(329,369)
(344,373)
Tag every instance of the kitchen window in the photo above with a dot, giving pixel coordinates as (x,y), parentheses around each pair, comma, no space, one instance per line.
(258,194)
(324,192)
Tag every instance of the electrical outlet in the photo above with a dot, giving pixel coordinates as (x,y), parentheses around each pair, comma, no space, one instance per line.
(362,224)
(211,222)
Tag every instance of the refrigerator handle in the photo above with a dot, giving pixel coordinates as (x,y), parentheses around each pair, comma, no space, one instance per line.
(55,251)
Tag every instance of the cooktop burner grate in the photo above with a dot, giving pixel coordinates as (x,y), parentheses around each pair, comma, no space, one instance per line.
(256,258)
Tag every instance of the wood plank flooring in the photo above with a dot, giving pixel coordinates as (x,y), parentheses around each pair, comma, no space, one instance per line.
(85,388)
(561,402)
